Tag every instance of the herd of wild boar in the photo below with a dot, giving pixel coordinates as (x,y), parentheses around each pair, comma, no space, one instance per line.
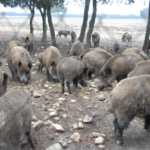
(129,67)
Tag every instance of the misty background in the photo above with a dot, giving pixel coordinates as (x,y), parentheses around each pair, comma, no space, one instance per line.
(76,8)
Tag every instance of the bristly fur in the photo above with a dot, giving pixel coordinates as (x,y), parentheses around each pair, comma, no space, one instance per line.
(130,98)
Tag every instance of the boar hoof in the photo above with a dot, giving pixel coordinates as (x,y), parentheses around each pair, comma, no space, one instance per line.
(119,142)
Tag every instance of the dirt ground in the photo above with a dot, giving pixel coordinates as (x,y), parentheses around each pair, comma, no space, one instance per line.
(69,110)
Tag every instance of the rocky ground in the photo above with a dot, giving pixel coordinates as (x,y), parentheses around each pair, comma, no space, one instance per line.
(78,121)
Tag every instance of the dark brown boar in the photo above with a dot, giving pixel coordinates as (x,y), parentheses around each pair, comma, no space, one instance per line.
(70,70)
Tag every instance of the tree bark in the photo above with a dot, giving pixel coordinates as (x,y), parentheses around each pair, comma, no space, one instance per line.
(31,19)
(91,24)
(51,26)
(85,19)
(146,41)
(44,25)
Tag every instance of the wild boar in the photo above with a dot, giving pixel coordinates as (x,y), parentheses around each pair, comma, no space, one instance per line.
(117,68)
(116,47)
(70,70)
(126,37)
(135,50)
(96,39)
(29,43)
(49,59)
(63,32)
(19,63)
(94,60)
(15,120)
(64,45)
(77,49)
(13,43)
(130,98)
(143,67)
(73,36)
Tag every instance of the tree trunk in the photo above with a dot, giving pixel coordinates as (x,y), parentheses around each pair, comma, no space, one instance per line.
(91,24)
(146,41)
(85,19)
(44,25)
(31,20)
(51,27)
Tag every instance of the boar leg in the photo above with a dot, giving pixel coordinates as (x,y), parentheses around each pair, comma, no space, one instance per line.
(49,76)
(55,80)
(30,140)
(53,73)
(79,80)
(120,125)
(13,74)
(147,122)
(75,82)
(13,70)
(89,74)
(62,86)
(68,86)
(97,44)
(40,68)
(27,142)
(83,83)
(118,132)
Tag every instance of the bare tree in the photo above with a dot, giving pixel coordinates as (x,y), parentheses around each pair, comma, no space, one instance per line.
(45,8)
(31,6)
(51,26)
(91,24)
(147,34)
(41,5)
(85,20)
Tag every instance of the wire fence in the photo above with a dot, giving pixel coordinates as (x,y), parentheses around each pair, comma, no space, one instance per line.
(16,27)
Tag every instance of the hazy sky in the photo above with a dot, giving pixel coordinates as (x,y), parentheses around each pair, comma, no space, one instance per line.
(76,7)
(115,8)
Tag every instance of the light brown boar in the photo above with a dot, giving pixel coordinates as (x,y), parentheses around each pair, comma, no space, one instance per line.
(134,50)
(142,67)
(49,59)
(19,63)
(12,44)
